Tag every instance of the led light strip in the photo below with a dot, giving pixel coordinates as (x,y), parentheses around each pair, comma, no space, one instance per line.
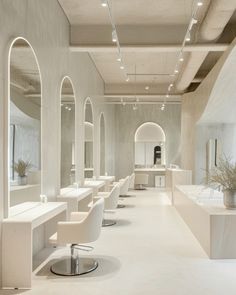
(187,38)
(115,39)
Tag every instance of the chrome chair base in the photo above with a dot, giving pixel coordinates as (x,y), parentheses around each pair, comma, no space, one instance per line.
(108,222)
(74,266)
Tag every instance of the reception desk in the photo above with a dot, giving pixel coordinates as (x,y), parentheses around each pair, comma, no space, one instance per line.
(152,173)
(24,234)
(214,226)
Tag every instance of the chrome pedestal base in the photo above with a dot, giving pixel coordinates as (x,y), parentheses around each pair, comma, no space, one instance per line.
(74,266)
(108,222)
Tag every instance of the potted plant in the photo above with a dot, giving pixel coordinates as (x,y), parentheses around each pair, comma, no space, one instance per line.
(224,175)
(21,167)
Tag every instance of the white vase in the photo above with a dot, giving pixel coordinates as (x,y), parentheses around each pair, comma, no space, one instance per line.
(22,180)
(230,199)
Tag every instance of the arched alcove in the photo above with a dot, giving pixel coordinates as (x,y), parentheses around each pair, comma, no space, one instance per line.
(102,145)
(88,139)
(67,132)
(149,145)
(24,124)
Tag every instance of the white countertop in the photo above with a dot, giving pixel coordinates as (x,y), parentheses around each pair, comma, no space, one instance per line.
(106,177)
(76,193)
(209,199)
(150,169)
(94,183)
(35,213)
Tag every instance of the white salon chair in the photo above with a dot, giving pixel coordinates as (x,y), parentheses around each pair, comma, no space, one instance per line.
(84,227)
(124,188)
(110,202)
(131,181)
(141,180)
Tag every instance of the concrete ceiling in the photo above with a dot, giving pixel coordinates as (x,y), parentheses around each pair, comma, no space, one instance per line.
(150,34)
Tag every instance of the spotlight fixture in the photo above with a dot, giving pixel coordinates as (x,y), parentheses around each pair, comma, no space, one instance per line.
(104,3)
(135,107)
(176,71)
(127,79)
(147,88)
(181,58)
(114,36)
(192,22)
(188,37)
(163,107)
(167,96)
(122,67)
(199,3)
(119,59)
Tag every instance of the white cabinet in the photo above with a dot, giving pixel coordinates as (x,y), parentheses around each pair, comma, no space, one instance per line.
(160,181)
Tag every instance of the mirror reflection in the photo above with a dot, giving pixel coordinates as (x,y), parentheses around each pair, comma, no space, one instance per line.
(102,145)
(88,141)
(67,134)
(25,125)
(149,146)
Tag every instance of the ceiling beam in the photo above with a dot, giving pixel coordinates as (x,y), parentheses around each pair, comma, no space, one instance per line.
(207,47)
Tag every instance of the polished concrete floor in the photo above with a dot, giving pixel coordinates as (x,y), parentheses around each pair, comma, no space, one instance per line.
(150,251)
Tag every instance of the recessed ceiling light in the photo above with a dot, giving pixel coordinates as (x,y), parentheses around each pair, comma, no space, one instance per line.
(181,58)
(122,67)
(127,79)
(118,59)
(200,3)
(104,3)
(167,95)
(176,71)
(147,88)
(114,36)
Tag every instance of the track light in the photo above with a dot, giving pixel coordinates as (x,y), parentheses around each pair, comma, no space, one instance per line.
(163,107)
(122,67)
(135,107)
(199,3)
(192,22)
(167,96)
(127,79)
(188,37)
(181,58)
(147,88)
(176,71)
(104,3)
(114,36)
(119,59)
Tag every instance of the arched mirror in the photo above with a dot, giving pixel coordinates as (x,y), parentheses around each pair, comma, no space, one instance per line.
(24,152)
(67,133)
(102,145)
(149,146)
(88,140)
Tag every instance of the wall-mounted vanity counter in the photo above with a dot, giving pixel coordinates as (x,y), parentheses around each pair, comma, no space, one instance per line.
(214,226)
(96,185)
(108,180)
(156,176)
(25,234)
(77,199)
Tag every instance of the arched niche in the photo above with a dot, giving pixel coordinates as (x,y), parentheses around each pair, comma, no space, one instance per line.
(149,146)
(24,124)
(88,139)
(67,133)
(102,146)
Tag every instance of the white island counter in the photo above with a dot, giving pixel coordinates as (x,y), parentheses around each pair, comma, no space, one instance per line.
(214,226)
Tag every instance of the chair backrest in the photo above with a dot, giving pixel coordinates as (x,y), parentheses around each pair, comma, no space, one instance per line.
(85,231)
(124,186)
(93,222)
(141,179)
(131,181)
(112,201)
